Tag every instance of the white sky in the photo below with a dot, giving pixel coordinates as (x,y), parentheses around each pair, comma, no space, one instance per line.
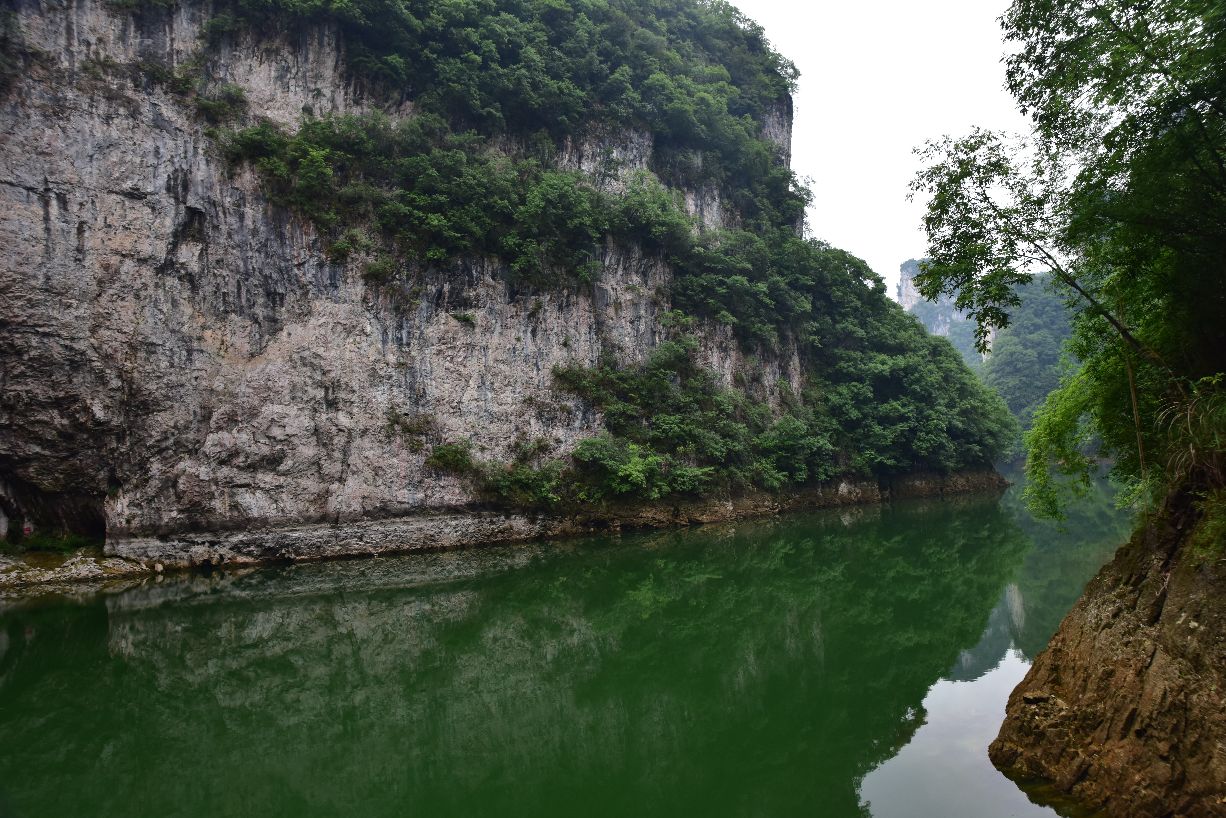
(876,80)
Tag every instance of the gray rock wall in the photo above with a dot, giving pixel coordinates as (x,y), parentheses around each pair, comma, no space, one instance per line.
(178,356)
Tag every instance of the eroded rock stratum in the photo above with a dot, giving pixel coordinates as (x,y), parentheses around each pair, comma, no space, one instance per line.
(192,368)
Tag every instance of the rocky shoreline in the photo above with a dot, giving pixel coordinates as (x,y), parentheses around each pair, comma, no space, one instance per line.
(1123,714)
(461,528)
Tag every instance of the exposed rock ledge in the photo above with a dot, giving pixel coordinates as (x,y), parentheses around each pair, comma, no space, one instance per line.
(1124,713)
(463,528)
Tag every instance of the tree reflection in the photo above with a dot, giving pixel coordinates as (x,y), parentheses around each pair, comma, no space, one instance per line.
(750,669)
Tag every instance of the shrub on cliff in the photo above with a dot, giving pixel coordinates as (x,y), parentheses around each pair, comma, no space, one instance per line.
(880,410)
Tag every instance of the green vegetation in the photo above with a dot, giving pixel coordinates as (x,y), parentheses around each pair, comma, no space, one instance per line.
(225,104)
(941,317)
(1208,541)
(1027,357)
(903,400)
(431,195)
(524,484)
(47,543)
(1026,360)
(413,428)
(436,196)
(1118,194)
(699,75)
(181,80)
(455,458)
(673,431)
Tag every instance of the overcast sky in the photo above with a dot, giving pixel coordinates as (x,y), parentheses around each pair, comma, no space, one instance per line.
(876,80)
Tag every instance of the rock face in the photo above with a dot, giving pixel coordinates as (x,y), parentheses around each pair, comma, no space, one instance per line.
(179,357)
(907,294)
(1122,713)
(939,317)
(456,529)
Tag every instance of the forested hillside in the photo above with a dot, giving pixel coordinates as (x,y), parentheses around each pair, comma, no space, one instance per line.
(1028,357)
(1024,361)
(939,316)
(701,79)
(1115,197)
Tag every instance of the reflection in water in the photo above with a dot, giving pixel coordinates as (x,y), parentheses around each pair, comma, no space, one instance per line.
(944,770)
(948,754)
(750,669)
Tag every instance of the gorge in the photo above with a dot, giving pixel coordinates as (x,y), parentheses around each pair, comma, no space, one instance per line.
(286,280)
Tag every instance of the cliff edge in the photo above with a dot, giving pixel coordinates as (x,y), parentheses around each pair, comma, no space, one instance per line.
(196,342)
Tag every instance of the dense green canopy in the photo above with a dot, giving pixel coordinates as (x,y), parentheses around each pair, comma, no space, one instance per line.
(1027,357)
(1120,192)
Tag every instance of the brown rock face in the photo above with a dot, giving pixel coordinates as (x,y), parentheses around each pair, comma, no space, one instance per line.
(1124,713)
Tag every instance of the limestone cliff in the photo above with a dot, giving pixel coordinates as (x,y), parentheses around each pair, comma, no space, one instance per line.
(178,356)
(176,345)
(939,317)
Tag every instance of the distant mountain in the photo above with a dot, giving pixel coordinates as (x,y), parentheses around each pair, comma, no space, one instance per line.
(1023,364)
(939,317)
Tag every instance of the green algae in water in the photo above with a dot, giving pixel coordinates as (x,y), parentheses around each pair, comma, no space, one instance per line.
(802,665)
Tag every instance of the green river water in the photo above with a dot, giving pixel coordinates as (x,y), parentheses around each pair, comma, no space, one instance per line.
(846,663)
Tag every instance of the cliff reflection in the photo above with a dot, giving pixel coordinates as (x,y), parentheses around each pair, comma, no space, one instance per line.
(1059,560)
(755,669)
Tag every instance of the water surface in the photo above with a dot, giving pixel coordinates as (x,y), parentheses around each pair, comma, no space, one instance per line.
(834,664)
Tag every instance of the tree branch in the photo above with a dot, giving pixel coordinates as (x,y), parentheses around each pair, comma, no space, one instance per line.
(1069,279)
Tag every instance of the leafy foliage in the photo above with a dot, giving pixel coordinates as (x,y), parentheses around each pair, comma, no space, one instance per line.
(945,320)
(455,458)
(226,103)
(879,410)
(48,543)
(1119,194)
(432,194)
(498,86)
(699,76)
(905,400)
(673,429)
(438,196)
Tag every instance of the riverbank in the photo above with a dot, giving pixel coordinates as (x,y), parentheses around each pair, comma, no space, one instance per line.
(1124,713)
(450,529)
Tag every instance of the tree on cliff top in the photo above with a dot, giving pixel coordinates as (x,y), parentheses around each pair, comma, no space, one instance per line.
(1120,192)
